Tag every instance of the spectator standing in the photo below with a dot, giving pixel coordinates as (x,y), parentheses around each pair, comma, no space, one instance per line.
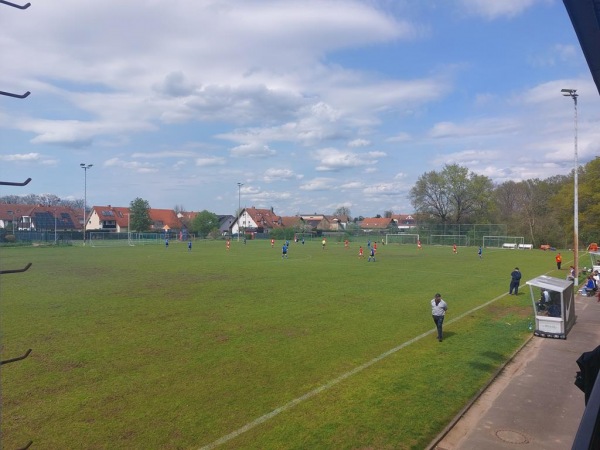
(515,279)
(558,260)
(438,312)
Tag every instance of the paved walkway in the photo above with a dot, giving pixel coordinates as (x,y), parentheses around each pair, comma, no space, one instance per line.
(532,404)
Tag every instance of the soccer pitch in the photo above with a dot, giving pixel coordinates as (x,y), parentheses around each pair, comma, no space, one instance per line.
(148,347)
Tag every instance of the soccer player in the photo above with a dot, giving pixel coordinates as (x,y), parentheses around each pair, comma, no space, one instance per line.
(284,251)
(190,245)
(228,244)
(346,243)
(419,245)
(372,255)
(360,252)
(480,252)
(558,261)
(454,249)
(323,243)
(272,243)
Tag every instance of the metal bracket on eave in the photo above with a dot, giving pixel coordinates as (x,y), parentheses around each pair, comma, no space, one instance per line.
(9,94)
(18,358)
(2,272)
(14,5)
(10,183)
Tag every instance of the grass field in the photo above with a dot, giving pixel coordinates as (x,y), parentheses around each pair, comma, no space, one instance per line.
(154,348)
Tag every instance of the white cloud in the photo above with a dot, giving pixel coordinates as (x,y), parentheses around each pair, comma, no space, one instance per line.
(318,184)
(491,9)
(131,165)
(331,159)
(210,161)
(272,175)
(359,143)
(254,150)
(21,157)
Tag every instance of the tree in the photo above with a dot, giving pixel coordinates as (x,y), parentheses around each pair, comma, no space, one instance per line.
(343,211)
(429,196)
(139,210)
(452,195)
(205,222)
(388,214)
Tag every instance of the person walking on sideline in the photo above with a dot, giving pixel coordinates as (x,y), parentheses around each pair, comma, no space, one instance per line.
(558,259)
(515,279)
(438,312)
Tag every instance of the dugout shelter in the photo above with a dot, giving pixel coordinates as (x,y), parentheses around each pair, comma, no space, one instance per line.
(595,256)
(553,306)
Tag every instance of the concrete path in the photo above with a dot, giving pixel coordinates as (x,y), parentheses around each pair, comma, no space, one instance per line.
(533,403)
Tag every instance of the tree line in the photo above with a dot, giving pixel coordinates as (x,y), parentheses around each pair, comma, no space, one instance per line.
(540,210)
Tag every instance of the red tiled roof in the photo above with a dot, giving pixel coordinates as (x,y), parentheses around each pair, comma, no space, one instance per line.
(264,217)
(376,222)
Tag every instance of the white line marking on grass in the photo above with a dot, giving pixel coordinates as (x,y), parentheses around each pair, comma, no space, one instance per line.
(333,382)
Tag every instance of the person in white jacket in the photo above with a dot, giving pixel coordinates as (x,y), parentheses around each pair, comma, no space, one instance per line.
(438,312)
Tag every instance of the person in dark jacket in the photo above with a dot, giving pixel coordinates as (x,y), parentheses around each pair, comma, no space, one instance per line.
(515,279)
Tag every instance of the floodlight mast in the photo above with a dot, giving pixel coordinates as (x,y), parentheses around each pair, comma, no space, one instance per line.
(573,94)
(85,168)
(239,208)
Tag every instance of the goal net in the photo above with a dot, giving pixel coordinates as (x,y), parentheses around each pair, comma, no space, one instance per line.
(509,242)
(461,240)
(99,239)
(402,238)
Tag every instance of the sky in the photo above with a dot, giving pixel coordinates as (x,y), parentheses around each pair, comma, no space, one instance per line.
(310,105)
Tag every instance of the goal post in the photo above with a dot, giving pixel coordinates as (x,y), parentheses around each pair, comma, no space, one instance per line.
(509,242)
(103,239)
(401,238)
(462,240)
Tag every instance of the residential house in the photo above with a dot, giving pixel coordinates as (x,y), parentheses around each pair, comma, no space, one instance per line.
(20,217)
(109,218)
(225,223)
(376,224)
(254,220)
(117,219)
(404,221)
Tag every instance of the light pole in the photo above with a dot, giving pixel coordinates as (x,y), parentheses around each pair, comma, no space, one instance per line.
(573,94)
(54,227)
(12,220)
(239,207)
(85,168)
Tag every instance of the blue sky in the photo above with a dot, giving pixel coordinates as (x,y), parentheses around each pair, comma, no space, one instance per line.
(311,104)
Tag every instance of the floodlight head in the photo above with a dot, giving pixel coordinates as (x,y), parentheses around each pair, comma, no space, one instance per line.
(569,92)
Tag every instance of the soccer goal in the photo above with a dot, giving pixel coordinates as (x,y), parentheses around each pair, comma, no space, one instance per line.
(461,240)
(99,239)
(401,238)
(507,242)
